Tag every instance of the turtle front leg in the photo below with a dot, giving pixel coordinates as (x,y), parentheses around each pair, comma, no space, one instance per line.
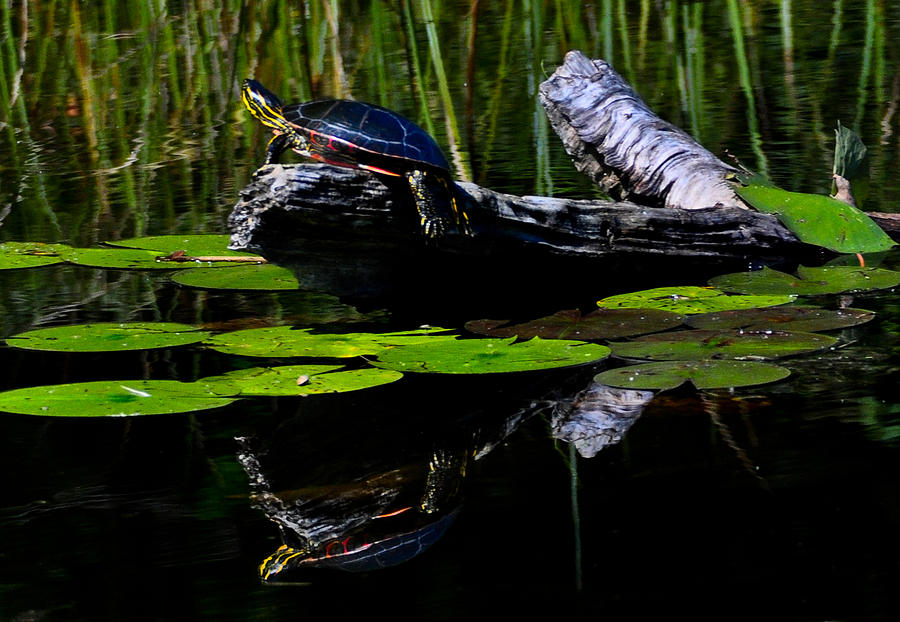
(275,148)
(446,470)
(429,216)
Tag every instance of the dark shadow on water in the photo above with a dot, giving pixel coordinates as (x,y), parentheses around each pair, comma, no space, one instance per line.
(431,284)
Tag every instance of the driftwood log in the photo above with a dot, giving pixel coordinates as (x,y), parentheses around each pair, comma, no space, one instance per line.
(673,196)
(287,203)
(616,140)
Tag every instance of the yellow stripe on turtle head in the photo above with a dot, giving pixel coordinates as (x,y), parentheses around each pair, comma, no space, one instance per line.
(279,560)
(264,105)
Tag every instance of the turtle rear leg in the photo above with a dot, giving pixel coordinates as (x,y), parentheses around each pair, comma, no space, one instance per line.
(462,219)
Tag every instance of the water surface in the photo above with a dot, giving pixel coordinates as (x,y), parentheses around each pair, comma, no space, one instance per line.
(779,502)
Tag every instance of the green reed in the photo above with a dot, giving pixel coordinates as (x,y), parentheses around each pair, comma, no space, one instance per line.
(740,54)
(119,122)
(626,67)
(458,156)
(532,29)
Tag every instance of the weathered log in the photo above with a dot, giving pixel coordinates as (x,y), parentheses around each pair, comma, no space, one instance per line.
(619,142)
(289,203)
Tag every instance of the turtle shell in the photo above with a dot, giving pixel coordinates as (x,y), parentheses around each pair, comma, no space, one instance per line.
(389,551)
(359,131)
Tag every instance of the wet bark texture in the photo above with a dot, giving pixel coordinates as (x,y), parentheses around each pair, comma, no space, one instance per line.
(286,203)
(616,140)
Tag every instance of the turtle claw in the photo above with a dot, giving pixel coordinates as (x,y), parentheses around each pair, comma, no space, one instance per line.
(432,227)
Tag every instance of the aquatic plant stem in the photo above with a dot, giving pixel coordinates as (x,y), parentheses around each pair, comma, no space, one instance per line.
(576,516)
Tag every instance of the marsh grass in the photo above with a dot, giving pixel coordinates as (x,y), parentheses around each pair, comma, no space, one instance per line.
(120,121)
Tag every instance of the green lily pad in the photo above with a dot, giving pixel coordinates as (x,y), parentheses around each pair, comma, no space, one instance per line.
(303,380)
(267,277)
(820,220)
(702,374)
(809,282)
(599,324)
(114,398)
(108,337)
(482,356)
(791,318)
(15,255)
(687,300)
(203,245)
(122,258)
(286,341)
(696,345)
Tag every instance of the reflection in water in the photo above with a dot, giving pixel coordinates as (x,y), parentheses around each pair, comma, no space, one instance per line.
(383,508)
(598,416)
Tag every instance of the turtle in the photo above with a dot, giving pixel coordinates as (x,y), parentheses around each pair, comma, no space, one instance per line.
(383,520)
(360,551)
(365,136)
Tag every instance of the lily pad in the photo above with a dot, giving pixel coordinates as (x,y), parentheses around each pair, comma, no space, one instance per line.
(114,398)
(122,258)
(482,356)
(687,300)
(267,277)
(696,345)
(15,255)
(820,220)
(809,282)
(194,245)
(287,341)
(599,324)
(108,337)
(303,380)
(702,374)
(790,318)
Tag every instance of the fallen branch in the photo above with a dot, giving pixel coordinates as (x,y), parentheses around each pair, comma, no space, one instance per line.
(289,203)
(620,143)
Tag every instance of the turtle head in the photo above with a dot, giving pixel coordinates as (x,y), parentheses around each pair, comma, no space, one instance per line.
(283,559)
(263,104)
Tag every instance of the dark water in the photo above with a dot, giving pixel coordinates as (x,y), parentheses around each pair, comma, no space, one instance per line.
(776,503)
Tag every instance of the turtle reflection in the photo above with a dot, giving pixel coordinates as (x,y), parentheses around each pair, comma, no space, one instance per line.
(363,512)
